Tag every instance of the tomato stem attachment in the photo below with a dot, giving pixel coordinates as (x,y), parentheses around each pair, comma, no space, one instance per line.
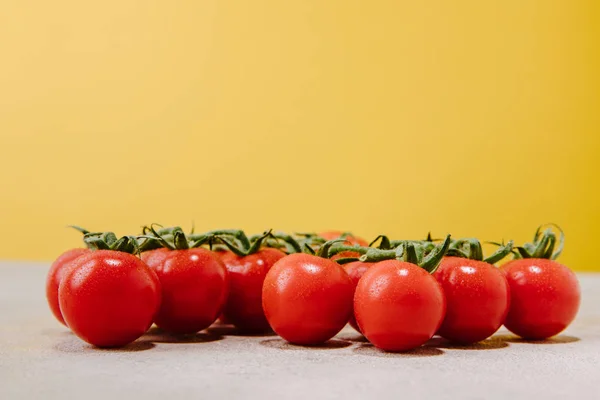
(109,241)
(432,261)
(426,255)
(543,244)
(84,232)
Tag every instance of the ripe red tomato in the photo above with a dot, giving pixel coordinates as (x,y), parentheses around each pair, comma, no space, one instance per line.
(246,276)
(477,299)
(307,299)
(109,298)
(355,271)
(545,297)
(194,290)
(350,239)
(398,305)
(57,271)
(154,257)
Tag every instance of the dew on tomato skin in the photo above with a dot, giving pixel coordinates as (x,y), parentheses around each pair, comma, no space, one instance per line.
(80,276)
(284,278)
(378,286)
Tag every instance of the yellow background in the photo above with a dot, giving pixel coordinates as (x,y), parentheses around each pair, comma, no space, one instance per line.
(478,118)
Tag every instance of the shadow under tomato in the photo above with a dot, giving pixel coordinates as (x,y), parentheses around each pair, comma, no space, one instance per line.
(283,345)
(78,346)
(492,343)
(368,349)
(356,338)
(157,335)
(560,339)
(230,330)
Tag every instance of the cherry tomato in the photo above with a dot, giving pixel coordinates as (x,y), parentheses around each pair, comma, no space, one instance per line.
(355,271)
(398,305)
(307,299)
(154,257)
(246,276)
(477,299)
(194,290)
(109,298)
(545,297)
(57,271)
(350,239)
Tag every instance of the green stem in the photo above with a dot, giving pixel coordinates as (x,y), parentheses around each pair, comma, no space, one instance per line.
(324,250)
(200,240)
(433,259)
(233,248)
(475,250)
(385,243)
(410,253)
(499,254)
(376,255)
(290,243)
(308,249)
(180,241)
(336,249)
(109,241)
(258,242)
(79,229)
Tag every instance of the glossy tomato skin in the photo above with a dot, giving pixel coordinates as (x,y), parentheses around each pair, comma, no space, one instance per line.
(355,271)
(545,297)
(194,290)
(109,298)
(398,305)
(58,270)
(307,299)
(350,239)
(246,277)
(477,299)
(155,257)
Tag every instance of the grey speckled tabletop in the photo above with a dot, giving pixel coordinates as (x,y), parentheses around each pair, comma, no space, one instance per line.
(40,359)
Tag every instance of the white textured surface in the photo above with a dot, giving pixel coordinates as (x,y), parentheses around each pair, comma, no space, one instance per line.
(40,359)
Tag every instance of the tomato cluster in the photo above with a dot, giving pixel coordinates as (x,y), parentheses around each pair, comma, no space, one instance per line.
(307,287)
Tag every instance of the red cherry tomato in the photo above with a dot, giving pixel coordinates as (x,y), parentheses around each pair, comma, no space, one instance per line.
(355,271)
(545,297)
(246,276)
(194,290)
(154,257)
(477,299)
(350,239)
(307,299)
(109,298)
(57,271)
(398,305)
